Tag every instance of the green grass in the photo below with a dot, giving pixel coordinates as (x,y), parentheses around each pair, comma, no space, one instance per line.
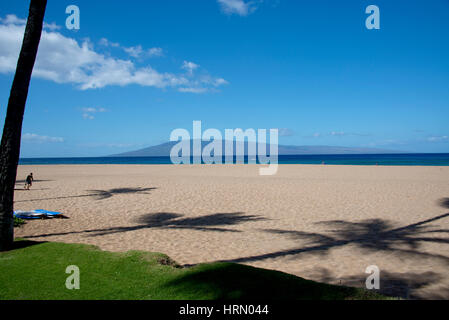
(37,271)
(18,222)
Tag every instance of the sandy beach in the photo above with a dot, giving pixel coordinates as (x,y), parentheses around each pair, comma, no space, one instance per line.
(325,223)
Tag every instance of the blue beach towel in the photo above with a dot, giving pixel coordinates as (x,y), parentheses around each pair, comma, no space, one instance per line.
(48,213)
(36,214)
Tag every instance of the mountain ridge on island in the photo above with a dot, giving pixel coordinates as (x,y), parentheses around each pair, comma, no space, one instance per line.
(163,150)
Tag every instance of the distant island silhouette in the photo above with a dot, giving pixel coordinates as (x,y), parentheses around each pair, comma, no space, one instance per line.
(163,150)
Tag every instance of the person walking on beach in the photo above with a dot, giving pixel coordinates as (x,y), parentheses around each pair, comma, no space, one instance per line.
(29,181)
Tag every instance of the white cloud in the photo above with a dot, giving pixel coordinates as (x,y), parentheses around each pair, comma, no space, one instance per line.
(88,116)
(189,67)
(105,42)
(438,139)
(155,52)
(337,133)
(96,145)
(51,26)
(219,82)
(286,132)
(32,137)
(135,52)
(240,7)
(193,90)
(202,84)
(121,145)
(12,19)
(94,110)
(139,52)
(63,60)
(88,113)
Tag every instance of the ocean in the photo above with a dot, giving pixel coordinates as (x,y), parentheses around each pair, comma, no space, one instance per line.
(411,159)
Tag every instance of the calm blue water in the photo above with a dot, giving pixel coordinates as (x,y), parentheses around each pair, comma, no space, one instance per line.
(416,159)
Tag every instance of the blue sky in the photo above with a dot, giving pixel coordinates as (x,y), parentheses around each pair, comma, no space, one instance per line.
(136,70)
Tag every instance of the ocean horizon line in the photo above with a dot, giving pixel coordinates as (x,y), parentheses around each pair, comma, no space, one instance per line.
(396,159)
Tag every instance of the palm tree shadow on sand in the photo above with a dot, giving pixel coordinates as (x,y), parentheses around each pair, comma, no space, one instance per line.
(105,194)
(165,220)
(370,236)
(99,194)
(374,235)
(444,202)
(403,285)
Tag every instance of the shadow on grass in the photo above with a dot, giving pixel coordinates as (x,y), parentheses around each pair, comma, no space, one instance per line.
(140,275)
(21,244)
(232,281)
(164,220)
(98,194)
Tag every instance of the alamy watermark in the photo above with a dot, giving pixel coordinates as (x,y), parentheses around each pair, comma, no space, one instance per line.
(190,147)
(73,20)
(373,20)
(373,280)
(73,281)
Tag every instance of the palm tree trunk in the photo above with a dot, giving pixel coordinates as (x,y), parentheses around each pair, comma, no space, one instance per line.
(12,131)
